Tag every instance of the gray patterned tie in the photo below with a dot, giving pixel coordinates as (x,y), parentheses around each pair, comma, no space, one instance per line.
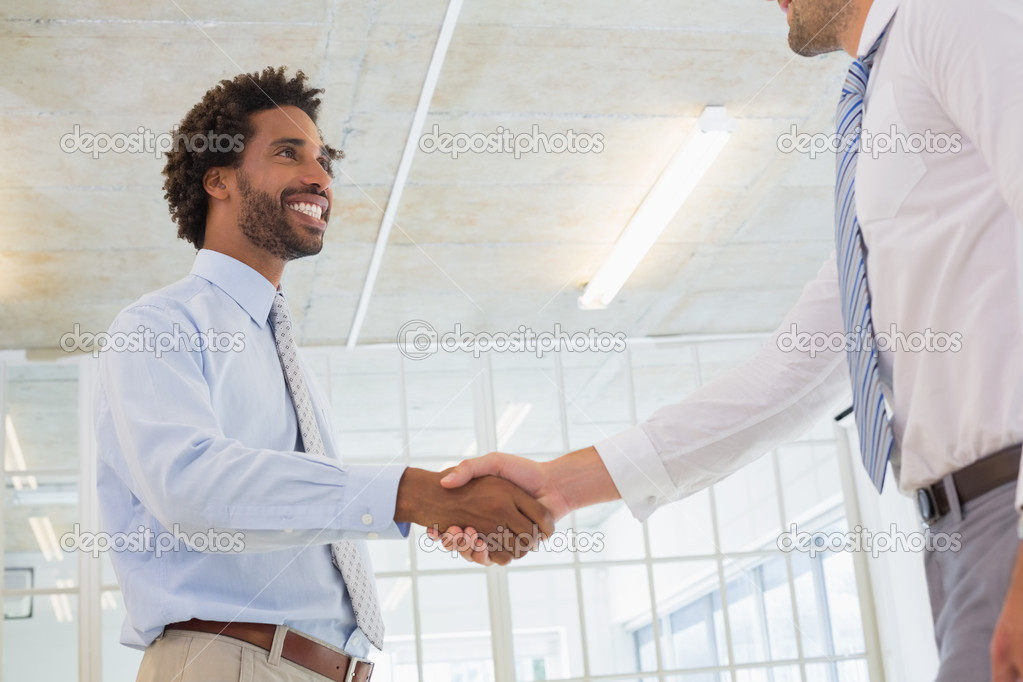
(361,587)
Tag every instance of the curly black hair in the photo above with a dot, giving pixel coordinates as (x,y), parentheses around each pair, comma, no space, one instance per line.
(221,119)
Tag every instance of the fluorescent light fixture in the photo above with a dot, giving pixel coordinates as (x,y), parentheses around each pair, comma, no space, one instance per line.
(661,204)
(14,459)
(42,528)
(511,419)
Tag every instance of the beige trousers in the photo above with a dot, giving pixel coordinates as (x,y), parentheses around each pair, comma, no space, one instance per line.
(183,656)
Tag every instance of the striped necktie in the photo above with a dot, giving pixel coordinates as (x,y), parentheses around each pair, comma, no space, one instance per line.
(359,583)
(873,425)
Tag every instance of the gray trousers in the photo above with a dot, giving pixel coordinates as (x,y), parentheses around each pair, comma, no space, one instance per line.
(968,587)
(184,656)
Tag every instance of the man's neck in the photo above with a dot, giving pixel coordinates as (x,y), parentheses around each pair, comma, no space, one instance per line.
(271,267)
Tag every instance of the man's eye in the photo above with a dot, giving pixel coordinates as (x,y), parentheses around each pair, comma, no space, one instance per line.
(288,150)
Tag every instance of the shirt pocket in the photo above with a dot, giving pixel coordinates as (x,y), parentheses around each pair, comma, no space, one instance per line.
(887,168)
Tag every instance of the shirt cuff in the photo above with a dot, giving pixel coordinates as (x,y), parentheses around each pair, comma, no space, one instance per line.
(372,492)
(637,471)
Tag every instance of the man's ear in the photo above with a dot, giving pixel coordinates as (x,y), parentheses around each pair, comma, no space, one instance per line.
(216,182)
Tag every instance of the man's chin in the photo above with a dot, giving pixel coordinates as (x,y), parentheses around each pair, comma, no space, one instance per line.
(807,48)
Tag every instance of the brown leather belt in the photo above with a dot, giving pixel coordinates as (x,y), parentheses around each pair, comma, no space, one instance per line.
(298,648)
(971,482)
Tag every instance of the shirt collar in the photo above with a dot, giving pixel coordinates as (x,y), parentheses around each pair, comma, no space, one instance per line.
(878,16)
(248,288)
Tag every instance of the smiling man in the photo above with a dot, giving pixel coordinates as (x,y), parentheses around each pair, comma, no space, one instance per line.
(220,456)
(928,215)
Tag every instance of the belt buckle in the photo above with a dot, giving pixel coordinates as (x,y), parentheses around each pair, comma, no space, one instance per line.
(927,506)
(353,663)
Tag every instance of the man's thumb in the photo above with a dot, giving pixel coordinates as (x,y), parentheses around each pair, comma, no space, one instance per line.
(458,477)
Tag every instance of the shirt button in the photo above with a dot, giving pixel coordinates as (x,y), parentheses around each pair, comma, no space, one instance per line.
(651,500)
(367,519)
(372,536)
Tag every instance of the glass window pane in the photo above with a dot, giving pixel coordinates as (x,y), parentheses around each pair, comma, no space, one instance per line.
(439,392)
(30,644)
(840,671)
(689,603)
(781,628)
(596,396)
(365,393)
(843,603)
(747,508)
(682,528)
(853,671)
(119,662)
(545,625)
(526,407)
(810,481)
(397,662)
(454,614)
(612,532)
(42,417)
(787,673)
(40,514)
(663,374)
(617,605)
(391,555)
(814,624)
(746,617)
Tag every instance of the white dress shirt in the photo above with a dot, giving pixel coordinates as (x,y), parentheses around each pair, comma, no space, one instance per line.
(942,230)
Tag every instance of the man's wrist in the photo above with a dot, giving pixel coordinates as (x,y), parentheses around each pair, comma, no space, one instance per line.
(581,478)
(413,494)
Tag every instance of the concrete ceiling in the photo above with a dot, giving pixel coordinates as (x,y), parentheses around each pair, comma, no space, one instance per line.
(485,240)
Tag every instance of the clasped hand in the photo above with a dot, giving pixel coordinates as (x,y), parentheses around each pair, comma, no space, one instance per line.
(497,509)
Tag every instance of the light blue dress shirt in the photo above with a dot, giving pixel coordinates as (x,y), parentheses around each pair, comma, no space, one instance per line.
(203,436)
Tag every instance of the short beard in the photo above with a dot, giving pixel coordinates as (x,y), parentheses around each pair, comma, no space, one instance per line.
(817,26)
(264,222)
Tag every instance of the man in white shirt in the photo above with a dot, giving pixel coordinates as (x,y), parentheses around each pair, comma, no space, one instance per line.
(940,224)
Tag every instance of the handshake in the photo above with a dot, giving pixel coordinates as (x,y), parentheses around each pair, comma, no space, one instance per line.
(501,506)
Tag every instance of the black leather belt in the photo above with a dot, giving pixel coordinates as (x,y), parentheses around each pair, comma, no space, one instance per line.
(971,482)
